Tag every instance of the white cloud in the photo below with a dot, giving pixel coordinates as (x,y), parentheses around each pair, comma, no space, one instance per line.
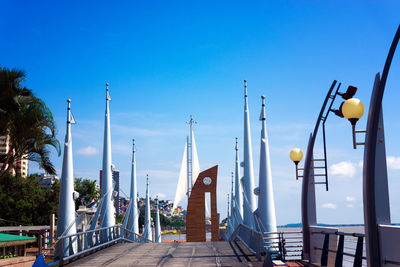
(88,151)
(345,169)
(329,206)
(393,163)
(350,205)
(350,199)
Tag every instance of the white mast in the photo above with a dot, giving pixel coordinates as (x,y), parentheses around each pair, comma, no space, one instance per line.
(158,226)
(190,167)
(133,212)
(238,187)
(147,233)
(107,190)
(189,181)
(193,161)
(266,205)
(66,209)
(232,215)
(248,177)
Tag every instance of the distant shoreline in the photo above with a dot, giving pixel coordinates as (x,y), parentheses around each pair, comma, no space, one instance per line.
(298,225)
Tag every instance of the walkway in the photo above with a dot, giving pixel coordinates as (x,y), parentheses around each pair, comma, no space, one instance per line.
(171,254)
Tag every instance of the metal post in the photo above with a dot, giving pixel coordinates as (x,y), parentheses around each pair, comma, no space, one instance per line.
(52,223)
(324,254)
(308,209)
(40,243)
(375,186)
(359,252)
(339,252)
(189,179)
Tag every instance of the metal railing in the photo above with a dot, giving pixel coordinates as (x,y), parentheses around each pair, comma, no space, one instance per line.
(350,250)
(288,245)
(74,245)
(133,237)
(251,239)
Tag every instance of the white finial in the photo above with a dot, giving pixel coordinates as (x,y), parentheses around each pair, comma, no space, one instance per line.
(133,146)
(236,146)
(69,103)
(245,88)
(107,86)
(191,121)
(262,114)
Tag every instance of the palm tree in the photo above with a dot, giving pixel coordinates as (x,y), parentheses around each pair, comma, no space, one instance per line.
(27,121)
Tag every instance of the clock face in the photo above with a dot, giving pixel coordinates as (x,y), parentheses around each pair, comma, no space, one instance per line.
(207,180)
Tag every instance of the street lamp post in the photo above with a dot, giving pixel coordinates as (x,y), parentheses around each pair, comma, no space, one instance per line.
(308,206)
(375,179)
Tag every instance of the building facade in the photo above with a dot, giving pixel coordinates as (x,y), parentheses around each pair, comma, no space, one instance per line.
(47,181)
(22,165)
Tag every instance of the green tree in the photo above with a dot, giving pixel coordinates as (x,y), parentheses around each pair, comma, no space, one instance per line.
(24,201)
(27,121)
(87,191)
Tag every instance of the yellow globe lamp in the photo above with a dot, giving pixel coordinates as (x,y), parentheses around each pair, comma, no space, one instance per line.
(353,110)
(296,155)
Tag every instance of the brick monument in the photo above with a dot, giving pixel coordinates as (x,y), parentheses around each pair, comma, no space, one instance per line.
(195,218)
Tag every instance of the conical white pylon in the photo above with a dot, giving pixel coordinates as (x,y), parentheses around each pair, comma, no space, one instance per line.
(133,222)
(248,176)
(232,204)
(238,189)
(147,233)
(66,208)
(158,226)
(107,212)
(266,204)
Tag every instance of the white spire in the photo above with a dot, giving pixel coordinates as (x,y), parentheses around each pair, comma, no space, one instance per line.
(66,209)
(266,205)
(181,188)
(228,216)
(133,212)
(248,176)
(195,161)
(158,226)
(147,233)
(107,190)
(190,167)
(232,202)
(238,186)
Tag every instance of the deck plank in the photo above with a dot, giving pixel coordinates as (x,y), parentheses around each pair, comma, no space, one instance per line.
(193,254)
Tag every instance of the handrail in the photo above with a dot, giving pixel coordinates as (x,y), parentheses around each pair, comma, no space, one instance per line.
(87,232)
(82,242)
(339,249)
(338,233)
(252,239)
(286,232)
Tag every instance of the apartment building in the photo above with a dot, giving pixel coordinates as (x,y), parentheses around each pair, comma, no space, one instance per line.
(22,164)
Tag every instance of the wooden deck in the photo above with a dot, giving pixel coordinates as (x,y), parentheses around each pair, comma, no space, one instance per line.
(171,254)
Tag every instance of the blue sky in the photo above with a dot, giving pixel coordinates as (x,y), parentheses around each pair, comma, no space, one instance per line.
(165,60)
